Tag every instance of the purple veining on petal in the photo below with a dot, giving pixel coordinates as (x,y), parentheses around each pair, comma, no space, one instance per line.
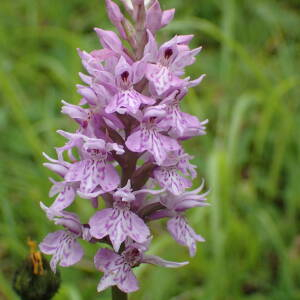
(66,194)
(148,138)
(94,172)
(177,123)
(168,62)
(169,178)
(63,247)
(183,233)
(117,268)
(117,271)
(118,223)
(126,99)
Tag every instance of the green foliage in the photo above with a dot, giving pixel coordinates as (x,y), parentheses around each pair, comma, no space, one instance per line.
(250,156)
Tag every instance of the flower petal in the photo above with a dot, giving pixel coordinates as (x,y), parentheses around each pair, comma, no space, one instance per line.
(105,258)
(167,17)
(73,253)
(154,17)
(123,102)
(129,283)
(93,173)
(100,223)
(64,248)
(106,281)
(135,141)
(115,16)
(160,77)
(111,179)
(116,271)
(136,227)
(51,242)
(170,179)
(149,139)
(151,49)
(184,234)
(75,172)
(155,260)
(65,198)
(109,40)
(118,224)
(109,221)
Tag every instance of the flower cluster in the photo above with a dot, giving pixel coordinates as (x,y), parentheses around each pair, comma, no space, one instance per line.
(127,148)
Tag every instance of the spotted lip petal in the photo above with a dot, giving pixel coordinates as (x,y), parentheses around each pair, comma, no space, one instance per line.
(94,176)
(148,138)
(116,271)
(184,234)
(180,124)
(118,224)
(63,247)
(93,172)
(169,178)
(128,101)
(117,268)
(160,77)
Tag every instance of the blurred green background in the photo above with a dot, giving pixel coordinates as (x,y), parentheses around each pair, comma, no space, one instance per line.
(250,156)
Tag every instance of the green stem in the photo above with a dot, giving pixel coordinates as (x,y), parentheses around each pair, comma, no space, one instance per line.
(116,294)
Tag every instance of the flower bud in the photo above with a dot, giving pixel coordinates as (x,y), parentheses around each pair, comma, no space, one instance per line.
(34,280)
(116,17)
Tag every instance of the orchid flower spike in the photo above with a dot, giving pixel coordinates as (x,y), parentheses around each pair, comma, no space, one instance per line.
(127,149)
